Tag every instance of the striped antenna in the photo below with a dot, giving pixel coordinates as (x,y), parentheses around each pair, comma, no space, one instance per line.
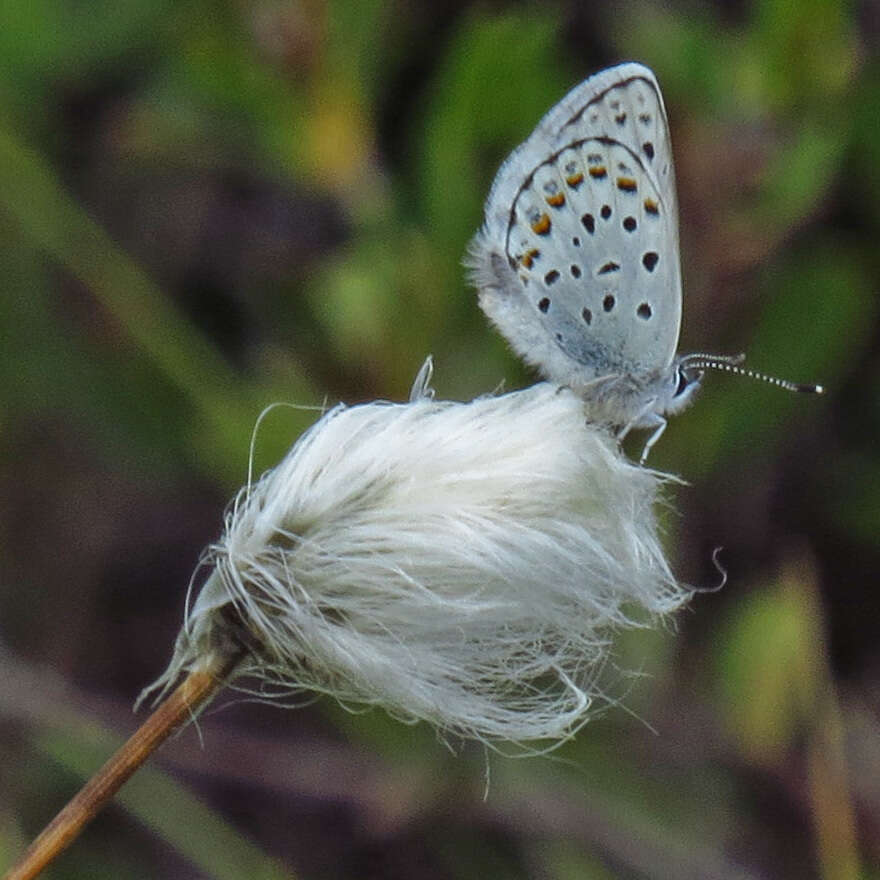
(731,364)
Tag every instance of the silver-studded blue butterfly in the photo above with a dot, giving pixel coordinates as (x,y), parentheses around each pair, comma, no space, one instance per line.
(577,263)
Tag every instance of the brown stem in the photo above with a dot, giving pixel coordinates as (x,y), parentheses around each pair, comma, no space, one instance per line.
(191,694)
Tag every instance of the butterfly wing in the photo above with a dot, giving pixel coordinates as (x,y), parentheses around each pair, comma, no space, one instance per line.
(577,263)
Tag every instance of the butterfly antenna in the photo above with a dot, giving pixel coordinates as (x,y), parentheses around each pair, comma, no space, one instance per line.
(731,364)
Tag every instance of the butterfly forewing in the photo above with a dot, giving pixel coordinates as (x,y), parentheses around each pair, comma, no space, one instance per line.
(586,216)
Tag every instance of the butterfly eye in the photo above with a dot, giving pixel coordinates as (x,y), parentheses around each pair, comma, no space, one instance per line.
(683,383)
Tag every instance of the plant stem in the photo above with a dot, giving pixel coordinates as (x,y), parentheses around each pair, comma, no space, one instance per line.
(200,685)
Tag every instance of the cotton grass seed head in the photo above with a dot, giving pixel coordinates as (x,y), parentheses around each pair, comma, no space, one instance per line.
(466,564)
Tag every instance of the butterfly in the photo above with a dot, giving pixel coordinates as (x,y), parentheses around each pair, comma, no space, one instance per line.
(577,262)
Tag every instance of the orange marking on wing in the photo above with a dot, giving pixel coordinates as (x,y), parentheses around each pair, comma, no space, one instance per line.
(627,184)
(651,206)
(598,171)
(556,201)
(575,180)
(541,226)
(528,258)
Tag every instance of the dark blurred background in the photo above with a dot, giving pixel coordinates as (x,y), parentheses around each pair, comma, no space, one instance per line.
(205,208)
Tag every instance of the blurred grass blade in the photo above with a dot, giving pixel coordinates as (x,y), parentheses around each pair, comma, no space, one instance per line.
(34,197)
(198,833)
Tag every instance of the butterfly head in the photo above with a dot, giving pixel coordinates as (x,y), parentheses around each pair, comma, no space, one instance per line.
(685,381)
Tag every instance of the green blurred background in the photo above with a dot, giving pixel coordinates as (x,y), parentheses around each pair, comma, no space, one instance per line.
(205,208)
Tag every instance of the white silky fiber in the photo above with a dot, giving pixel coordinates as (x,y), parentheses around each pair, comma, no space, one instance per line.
(465,564)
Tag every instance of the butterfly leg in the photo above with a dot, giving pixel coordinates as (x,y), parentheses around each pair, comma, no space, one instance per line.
(658,423)
(645,419)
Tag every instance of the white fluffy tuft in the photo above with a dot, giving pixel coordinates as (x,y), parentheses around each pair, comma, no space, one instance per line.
(465,564)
